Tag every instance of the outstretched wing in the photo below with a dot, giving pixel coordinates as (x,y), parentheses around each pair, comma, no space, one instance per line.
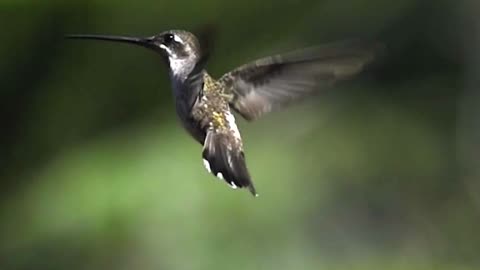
(273,82)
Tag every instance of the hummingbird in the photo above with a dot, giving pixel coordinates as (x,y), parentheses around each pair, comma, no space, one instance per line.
(205,105)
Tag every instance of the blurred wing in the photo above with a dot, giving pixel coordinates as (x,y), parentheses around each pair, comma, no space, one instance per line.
(273,82)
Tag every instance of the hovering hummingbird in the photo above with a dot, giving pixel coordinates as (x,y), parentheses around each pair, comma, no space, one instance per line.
(204,105)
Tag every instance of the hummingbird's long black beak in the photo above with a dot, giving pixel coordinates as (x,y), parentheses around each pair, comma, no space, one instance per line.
(147,42)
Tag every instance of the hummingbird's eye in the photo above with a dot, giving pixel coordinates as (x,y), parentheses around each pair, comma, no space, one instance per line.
(168,38)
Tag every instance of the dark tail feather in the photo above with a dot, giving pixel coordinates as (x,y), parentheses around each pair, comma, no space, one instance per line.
(225,162)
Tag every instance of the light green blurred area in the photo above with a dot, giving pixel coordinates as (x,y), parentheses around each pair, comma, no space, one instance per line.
(366,176)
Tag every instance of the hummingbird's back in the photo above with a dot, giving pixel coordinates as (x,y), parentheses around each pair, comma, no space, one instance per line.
(223,148)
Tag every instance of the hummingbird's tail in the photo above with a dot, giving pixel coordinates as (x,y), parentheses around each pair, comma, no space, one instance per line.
(226,162)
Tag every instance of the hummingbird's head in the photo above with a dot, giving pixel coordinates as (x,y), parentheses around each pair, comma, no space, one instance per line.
(179,48)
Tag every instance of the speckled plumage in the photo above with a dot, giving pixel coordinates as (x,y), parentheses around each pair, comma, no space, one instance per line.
(213,110)
(223,148)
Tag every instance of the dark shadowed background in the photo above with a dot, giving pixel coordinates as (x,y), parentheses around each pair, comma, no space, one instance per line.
(381,172)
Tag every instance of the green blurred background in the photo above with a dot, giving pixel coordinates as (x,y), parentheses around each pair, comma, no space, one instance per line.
(380,172)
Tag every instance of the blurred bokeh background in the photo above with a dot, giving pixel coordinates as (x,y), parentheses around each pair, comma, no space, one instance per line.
(381,172)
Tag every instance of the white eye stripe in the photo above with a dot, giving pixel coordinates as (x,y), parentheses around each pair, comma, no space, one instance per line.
(177,39)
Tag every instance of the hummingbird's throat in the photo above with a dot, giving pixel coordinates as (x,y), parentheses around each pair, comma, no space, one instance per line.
(180,67)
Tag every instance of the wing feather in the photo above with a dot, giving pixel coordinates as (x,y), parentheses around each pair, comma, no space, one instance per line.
(273,82)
